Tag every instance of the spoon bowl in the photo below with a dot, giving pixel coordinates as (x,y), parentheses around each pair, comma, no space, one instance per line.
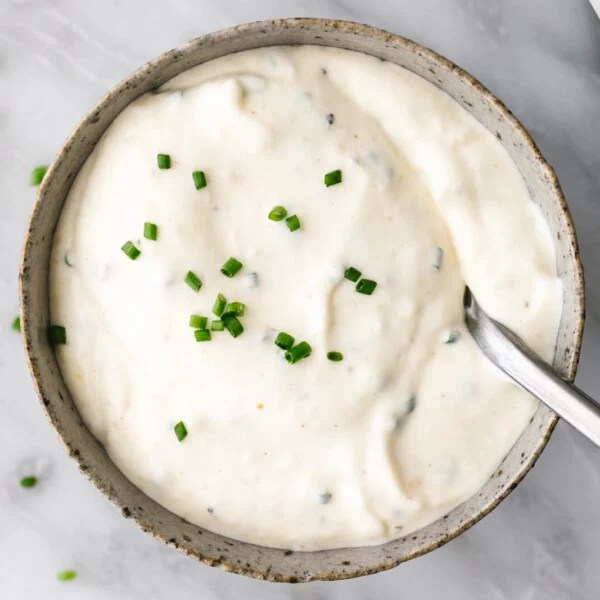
(508,352)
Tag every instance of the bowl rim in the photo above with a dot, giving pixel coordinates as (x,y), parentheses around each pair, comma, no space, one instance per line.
(378,35)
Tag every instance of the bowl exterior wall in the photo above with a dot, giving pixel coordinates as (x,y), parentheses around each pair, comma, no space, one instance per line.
(256,561)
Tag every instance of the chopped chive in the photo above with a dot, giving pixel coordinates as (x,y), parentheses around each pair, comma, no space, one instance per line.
(151,231)
(410,405)
(66,575)
(453,336)
(335,356)
(29,482)
(284,340)
(235,308)
(38,174)
(366,286)
(352,274)
(57,334)
(231,267)
(180,431)
(199,179)
(193,280)
(298,352)
(164,161)
(198,321)
(233,325)
(217,325)
(219,305)
(293,223)
(202,335)
(330,118)
(16,324)
(278,213)
(438,258)
(130,249)
(333,177)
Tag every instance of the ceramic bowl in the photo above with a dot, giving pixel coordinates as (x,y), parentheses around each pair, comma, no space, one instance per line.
(232,555)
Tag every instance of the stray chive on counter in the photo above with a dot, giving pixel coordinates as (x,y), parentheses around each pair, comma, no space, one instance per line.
(67,575)
(29,481)
(256,292)
(38,174)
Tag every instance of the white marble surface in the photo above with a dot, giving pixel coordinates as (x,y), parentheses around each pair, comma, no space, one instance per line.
(57,57)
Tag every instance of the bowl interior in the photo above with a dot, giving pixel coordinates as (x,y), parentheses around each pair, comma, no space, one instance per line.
(260,562)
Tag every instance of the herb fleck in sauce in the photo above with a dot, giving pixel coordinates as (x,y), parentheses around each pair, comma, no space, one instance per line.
(325,498)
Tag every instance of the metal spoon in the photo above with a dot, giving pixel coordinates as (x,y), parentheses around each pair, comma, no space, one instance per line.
(509,353)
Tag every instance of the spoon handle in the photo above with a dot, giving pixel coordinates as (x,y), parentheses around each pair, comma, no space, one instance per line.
(519,362)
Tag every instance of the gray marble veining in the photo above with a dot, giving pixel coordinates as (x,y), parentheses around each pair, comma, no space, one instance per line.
(57,57)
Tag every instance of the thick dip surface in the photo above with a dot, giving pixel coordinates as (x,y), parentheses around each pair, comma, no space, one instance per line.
(316,454)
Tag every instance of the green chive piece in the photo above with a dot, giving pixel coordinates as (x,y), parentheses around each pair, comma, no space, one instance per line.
(298,352)
(438,258)
(130,249)
(278,213)
(333,177)
(335,356)
(217,325)
(193,280)
(352,274)
(233,325)
(284,340)
(151,231)
(293,223)
(38,174)
(453,336)
(198,321)
(366,286)
(202,335)
(219,305)
(16,324)
(231,267)
(199,179)
(180,431)
(57,334)
(29,482)
(235,308)
(67,575)
(164,161)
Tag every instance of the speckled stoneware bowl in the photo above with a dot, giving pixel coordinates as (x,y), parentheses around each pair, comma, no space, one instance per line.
(213,549)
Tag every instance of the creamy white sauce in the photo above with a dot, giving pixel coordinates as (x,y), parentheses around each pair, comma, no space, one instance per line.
(316,454)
